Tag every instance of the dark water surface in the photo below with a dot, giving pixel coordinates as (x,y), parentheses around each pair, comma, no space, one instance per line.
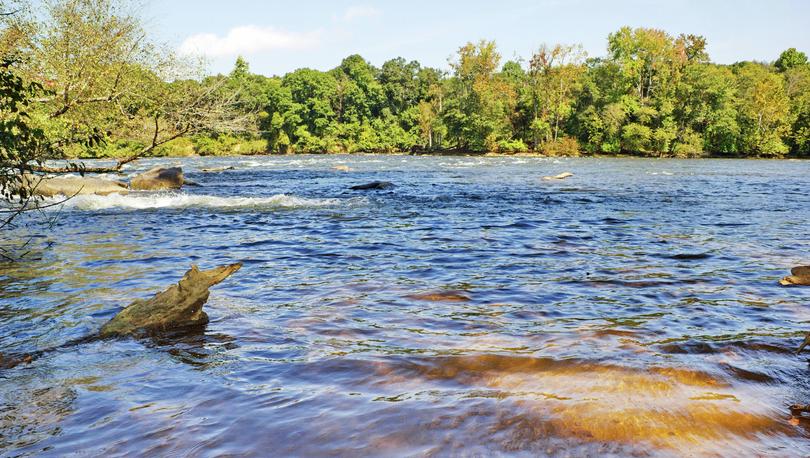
(473,310)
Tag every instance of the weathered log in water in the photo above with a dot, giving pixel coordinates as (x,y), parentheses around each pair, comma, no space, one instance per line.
(177,307)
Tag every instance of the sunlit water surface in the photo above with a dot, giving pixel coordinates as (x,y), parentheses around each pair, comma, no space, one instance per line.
(474,309)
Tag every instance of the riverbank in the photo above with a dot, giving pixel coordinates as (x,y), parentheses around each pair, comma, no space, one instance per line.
(248,149)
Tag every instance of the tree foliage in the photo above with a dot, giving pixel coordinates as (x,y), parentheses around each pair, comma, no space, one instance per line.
(652,94)
(102,87)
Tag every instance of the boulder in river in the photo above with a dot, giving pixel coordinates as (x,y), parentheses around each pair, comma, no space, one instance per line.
(159,178)
(342,168)
(180,306)
(73,185)
(799,276)
(374,185)
(561,176)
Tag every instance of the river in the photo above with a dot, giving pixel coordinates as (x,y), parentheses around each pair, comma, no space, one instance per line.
(474,309)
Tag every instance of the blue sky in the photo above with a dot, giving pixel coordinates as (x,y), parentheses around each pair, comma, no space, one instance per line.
(279,36)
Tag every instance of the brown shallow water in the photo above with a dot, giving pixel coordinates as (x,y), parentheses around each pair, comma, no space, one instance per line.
(473,310)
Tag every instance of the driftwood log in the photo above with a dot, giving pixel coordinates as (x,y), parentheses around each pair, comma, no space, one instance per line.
(178,307)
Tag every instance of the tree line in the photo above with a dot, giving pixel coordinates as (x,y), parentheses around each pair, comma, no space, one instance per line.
(81,78)
(653,94)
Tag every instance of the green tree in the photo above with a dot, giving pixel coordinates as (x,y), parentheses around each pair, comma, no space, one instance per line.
(764,110)
(241,69)
(797,86)
(790,58)
(478,112)
(556,75)
(21,144)
(107,81)
(400,83)
(706,110)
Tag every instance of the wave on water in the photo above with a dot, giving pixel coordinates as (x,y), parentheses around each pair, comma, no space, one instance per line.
(138,201)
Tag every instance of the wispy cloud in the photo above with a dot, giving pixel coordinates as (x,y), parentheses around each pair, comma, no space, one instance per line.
(361,12)
(248,39)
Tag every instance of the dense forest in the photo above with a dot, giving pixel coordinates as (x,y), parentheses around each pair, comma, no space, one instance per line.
(82,79)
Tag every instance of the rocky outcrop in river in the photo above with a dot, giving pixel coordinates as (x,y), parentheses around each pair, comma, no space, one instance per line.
(72,186)
(799,276)
(158,178)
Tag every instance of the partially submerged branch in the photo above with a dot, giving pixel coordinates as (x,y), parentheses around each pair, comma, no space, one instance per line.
(178,307)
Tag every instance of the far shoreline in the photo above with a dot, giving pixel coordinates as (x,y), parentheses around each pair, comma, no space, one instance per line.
(456,153)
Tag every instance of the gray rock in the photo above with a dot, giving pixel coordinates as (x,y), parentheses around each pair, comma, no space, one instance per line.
(71,186)
(217,169)
(561,176)
(374,185)
(158,178)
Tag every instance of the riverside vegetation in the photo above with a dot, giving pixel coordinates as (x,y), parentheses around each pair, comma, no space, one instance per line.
(81,78)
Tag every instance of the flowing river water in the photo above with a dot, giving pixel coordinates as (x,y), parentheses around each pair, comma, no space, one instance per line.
(473,310)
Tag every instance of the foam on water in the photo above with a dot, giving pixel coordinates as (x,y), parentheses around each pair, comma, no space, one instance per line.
(138,201)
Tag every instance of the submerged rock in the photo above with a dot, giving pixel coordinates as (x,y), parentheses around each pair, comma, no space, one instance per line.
(342,168)
(71,186)
(217,169)
(159,178)
(441,296)
(374,185)
(179,306)
(799,276)
(689,256)
(9,362)
(561,176)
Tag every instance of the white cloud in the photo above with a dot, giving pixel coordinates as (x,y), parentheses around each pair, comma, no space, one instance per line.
(361,12)
(248,39)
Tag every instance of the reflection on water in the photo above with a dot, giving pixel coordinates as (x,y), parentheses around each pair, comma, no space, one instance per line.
(656,406)
(473,310)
